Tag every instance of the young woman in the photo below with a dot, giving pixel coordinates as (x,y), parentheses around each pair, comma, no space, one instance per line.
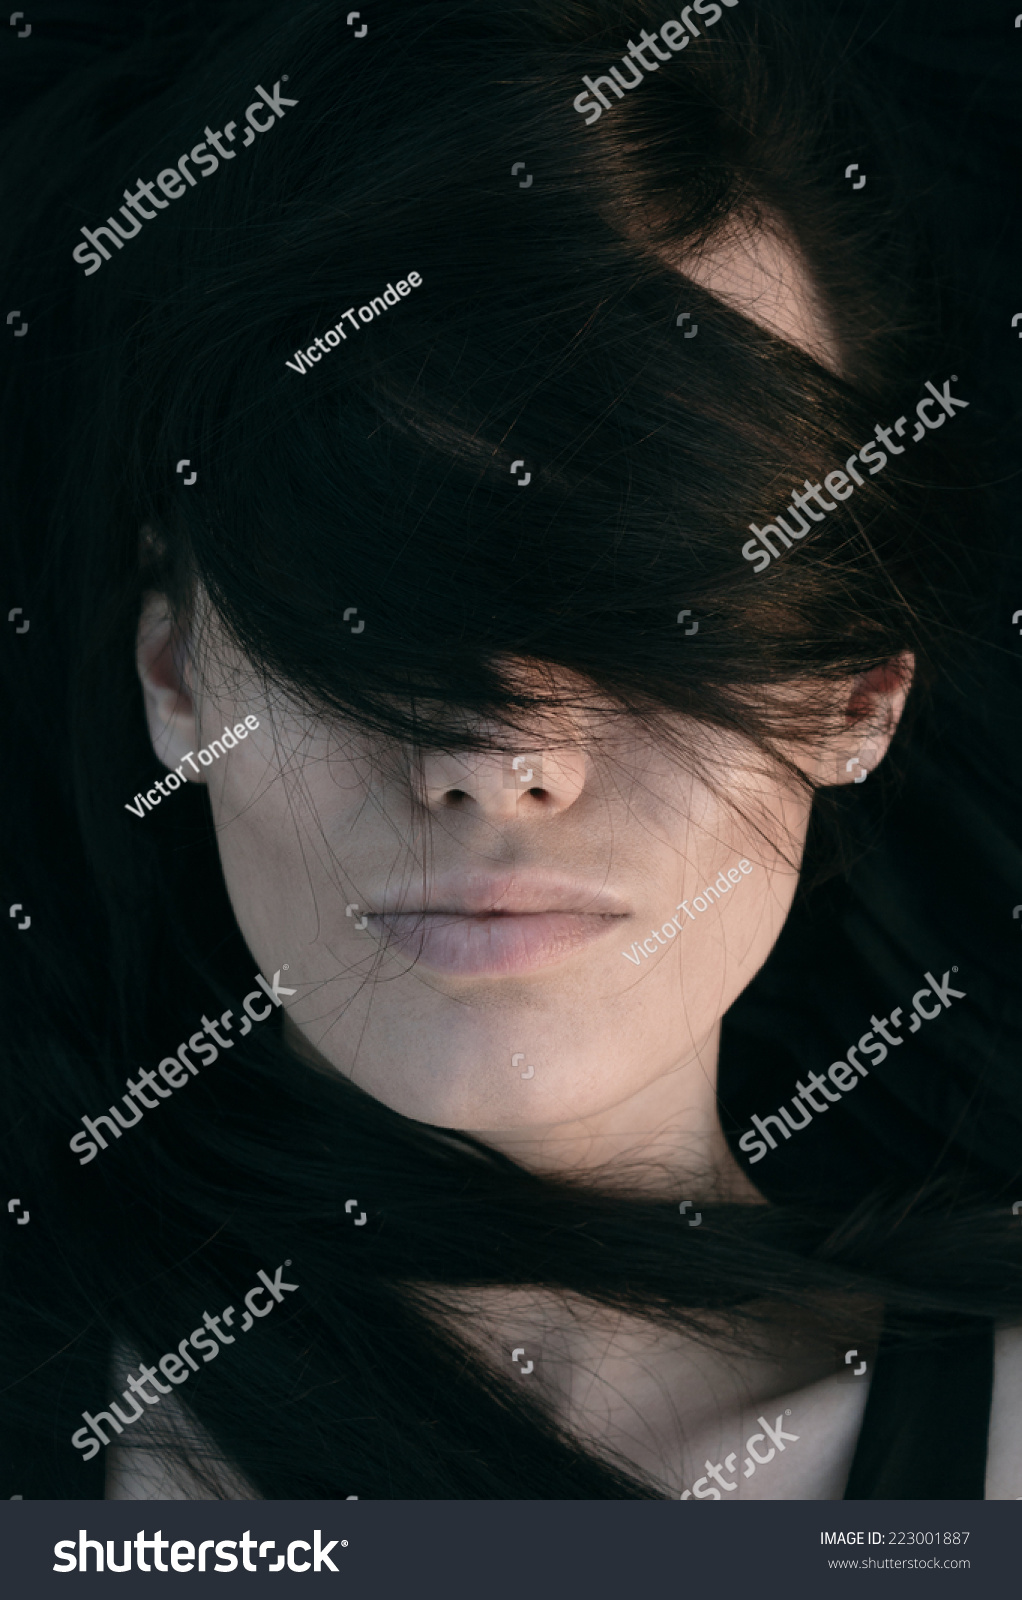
(510,766)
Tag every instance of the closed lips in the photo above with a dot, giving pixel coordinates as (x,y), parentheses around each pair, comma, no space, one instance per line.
(476,932)
(493,944)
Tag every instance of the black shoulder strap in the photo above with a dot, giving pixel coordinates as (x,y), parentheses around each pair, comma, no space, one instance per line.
(924,1432)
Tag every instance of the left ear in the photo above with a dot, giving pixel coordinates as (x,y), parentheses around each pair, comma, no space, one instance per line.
(165,672)
(871,711)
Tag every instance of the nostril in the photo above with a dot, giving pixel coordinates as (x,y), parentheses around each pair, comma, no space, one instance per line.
(453,796)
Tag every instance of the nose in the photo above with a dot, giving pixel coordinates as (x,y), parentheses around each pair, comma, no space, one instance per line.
(503,786)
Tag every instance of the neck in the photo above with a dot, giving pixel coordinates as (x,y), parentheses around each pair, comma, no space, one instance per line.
(664,1139)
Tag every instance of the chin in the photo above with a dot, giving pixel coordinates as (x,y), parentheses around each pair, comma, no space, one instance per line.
(485,1085)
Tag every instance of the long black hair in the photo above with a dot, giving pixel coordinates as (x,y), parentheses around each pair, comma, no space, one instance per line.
(544,329)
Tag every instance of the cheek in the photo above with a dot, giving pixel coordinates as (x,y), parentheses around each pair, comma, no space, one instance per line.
(728,927)
(260,861)
(730,931)
(275,862)
(298,830)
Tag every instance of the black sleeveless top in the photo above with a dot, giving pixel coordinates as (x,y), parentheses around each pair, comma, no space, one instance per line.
(927,1419)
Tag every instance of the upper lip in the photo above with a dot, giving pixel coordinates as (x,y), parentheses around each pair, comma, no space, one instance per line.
(509,894)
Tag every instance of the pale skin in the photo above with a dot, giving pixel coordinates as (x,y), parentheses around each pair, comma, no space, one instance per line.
(623,1057)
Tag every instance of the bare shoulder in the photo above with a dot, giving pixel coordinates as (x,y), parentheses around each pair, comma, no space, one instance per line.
(139,1473)
(150,1462)
(1004,1452)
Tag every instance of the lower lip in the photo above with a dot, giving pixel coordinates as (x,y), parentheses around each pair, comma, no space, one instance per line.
(494,946)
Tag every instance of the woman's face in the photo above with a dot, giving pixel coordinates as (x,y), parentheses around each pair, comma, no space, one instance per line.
(497,939)
(526,939)
(493,936)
